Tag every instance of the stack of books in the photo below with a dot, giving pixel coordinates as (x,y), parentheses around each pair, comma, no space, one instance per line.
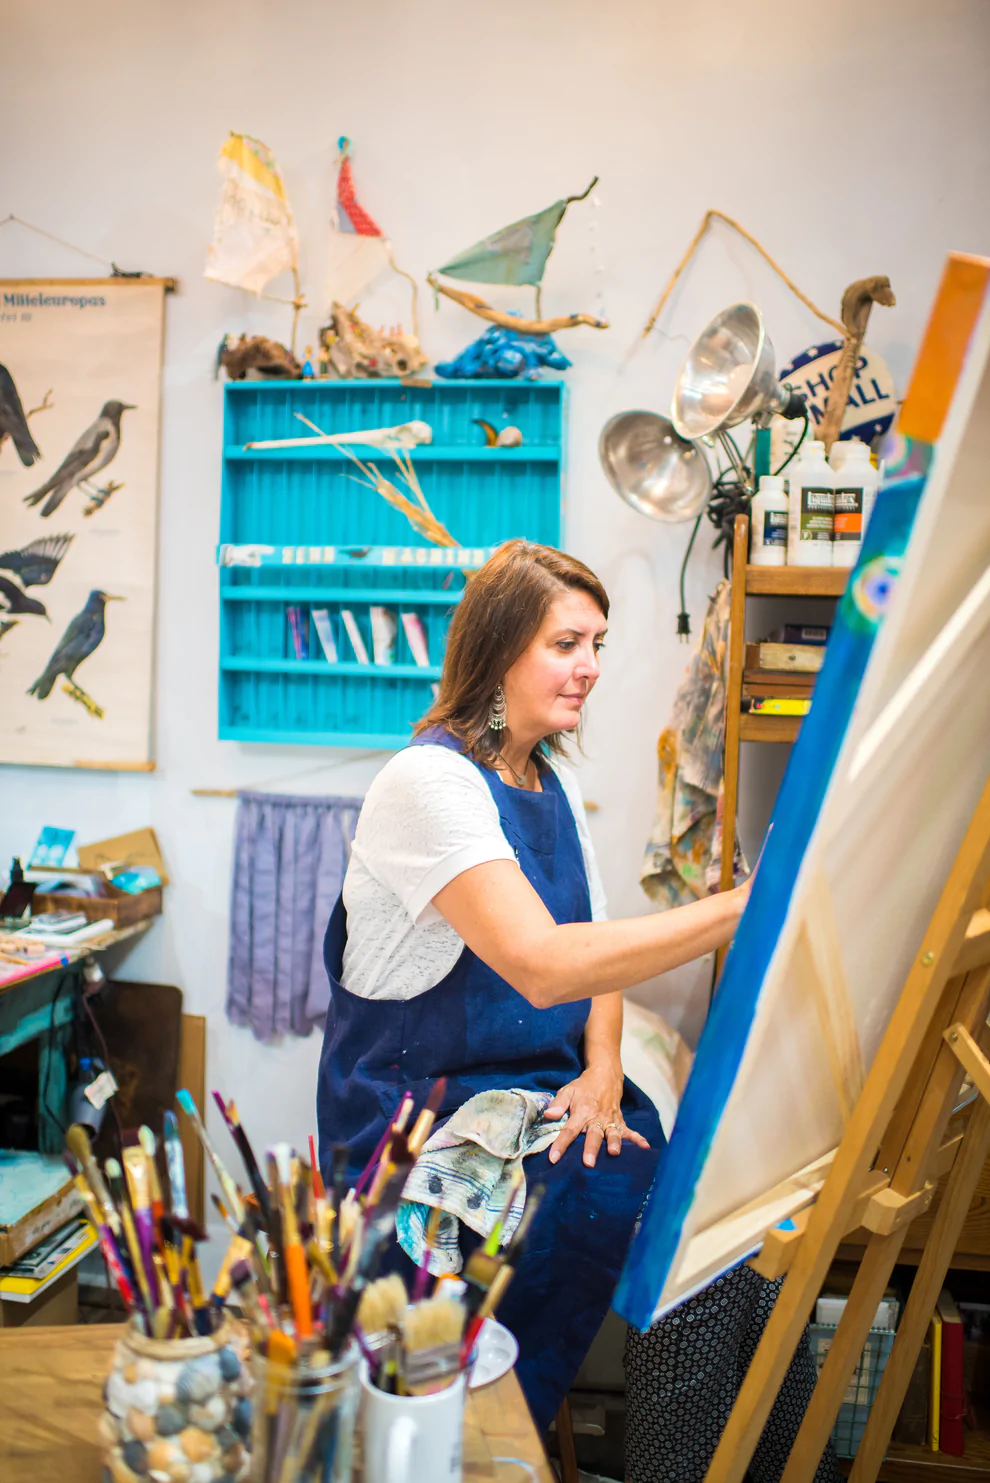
(779,677)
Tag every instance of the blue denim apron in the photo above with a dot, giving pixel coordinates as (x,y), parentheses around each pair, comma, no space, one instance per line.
(474,1028)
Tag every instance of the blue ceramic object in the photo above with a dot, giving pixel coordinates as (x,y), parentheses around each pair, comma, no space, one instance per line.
(504,354)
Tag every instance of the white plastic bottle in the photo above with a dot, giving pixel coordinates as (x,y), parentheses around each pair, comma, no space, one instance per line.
(856,486)
(812,508)
(840,451)
(768,523)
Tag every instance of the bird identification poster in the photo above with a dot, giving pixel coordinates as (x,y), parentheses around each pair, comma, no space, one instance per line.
(80,390)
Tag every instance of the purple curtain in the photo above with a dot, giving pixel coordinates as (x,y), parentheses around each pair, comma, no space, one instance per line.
(290,855)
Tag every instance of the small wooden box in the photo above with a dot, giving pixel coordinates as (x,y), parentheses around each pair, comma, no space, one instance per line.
(120,908)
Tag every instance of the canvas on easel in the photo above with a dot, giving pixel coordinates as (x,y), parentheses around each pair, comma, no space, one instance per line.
(880,789)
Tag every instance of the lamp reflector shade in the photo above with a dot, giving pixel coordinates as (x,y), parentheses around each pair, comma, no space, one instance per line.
(729,376)
(652,468)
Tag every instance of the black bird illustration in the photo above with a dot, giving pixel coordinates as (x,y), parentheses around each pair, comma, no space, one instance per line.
(83,635)
(13,423)
(36,563)
(91,453)
(13,600)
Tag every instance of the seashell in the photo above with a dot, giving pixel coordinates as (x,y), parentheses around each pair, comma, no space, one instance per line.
(169,1420)
(199,1379)
(240,1418)
(230,1365)
(119,1470)
(225,1438)
(197,1444)
(131,1373)
(147,1369)
(179,1471)
(140,1425)
(210,1415)
(509,437)
(119,1395)
(158,1476)
(144,1396)
(136,1456)
(161,1456)
(234,1458)
(202,1472)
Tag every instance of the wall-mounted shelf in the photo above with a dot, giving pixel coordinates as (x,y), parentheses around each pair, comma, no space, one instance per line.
(298,530)
(758,581)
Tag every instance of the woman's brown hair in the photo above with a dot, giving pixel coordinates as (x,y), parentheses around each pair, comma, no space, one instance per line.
(503,606)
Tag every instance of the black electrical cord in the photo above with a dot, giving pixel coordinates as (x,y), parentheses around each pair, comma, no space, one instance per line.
(797,445)
(683,619)
(69,977)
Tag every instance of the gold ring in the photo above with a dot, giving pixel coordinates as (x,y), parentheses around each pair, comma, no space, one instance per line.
(616,1126)
(592,1124)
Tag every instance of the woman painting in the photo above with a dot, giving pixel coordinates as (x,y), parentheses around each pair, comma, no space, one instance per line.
(471,942)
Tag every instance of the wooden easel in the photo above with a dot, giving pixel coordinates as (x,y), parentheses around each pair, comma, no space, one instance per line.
(884,1174)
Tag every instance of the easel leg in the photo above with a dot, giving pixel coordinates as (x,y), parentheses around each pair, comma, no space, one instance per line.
(927,1285)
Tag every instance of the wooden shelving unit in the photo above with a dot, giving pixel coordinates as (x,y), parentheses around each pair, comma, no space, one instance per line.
(758,581)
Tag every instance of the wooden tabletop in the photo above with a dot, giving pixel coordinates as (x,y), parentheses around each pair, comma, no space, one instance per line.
(51,1382)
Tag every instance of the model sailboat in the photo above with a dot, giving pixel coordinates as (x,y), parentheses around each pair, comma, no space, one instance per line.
(515,255)
(254,235)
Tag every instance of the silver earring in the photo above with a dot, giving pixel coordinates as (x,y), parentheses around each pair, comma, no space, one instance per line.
(496,711)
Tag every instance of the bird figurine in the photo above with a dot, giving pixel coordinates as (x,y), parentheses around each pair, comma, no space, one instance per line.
(91,452)
(13,423)
(13,600)
(82,637)
(37,562)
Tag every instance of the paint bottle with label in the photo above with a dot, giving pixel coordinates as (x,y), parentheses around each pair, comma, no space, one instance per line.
(811,508)
(856,485)
(768,523)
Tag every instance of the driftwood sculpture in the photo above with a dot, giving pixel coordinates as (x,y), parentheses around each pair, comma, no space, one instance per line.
(257,358)
(355,349)
(857,301)
(512,321)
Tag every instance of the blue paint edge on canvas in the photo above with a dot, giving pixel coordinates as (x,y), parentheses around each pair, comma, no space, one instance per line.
(724,1038)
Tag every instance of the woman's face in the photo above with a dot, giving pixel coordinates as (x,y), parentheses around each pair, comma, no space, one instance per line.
(549,683)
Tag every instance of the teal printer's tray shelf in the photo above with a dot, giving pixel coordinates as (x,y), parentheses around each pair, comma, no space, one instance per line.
(298,529)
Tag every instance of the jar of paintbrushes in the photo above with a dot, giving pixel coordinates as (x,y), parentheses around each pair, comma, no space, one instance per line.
(301,1268)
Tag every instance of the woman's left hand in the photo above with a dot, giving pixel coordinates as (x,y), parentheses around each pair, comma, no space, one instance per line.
(594,1104)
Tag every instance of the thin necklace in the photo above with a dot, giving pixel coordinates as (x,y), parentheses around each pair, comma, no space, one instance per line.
(519,777)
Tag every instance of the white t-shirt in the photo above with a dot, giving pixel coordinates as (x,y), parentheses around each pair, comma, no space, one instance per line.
(428,816)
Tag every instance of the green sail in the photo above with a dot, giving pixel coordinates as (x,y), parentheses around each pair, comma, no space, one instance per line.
(518,253)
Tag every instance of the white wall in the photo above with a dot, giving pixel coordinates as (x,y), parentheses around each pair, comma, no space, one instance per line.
(850,138)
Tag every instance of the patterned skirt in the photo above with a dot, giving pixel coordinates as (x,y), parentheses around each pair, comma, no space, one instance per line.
(682,1378)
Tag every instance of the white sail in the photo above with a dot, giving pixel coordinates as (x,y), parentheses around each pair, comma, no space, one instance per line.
(254,236)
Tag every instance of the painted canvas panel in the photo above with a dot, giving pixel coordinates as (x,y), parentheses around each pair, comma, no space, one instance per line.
(80,390)
(879,790)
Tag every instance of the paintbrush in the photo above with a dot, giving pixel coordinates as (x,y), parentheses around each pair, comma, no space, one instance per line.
(108,1246)
(339,1176)
(322,1214)
(398,1124)
(432,1333)
(77,1141)
(139,1189)
(116,1179)
(375,1233)
(252,1304)
(224,1213)
(176,1166)
(423,1126)
(230,1116)
(231,1191)
(423,1272)
(495,1236)
(382,1304)
(488,1276)
(202,1316)
(149,1143)
(240,1249)
(293,1256)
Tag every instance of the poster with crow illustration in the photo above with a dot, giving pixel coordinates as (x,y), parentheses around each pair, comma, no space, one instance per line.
(80,387)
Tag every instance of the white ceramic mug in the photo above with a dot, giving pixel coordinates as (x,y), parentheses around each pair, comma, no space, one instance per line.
(411,1438)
